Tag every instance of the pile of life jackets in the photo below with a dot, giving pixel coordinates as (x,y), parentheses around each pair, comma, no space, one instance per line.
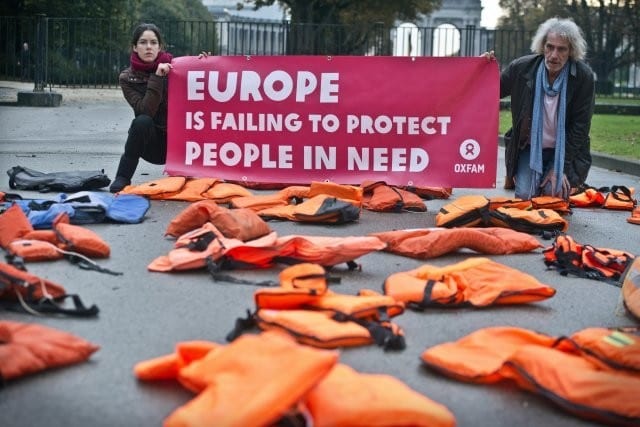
(64,240)
(594,373)
(269,379)
(226,239)
(284,204)
(85,207)
(570,257)
(618,197)
(306,308)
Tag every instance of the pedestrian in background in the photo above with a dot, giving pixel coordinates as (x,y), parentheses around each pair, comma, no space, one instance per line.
(144,85)
(547,149)
(25,63)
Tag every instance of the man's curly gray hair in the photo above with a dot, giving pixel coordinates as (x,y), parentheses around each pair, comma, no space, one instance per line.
(565,29)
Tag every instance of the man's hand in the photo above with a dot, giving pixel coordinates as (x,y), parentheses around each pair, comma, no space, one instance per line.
(550,181)
(204,54)
(163,69)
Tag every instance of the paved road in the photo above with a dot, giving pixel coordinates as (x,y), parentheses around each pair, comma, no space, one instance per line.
(144,314)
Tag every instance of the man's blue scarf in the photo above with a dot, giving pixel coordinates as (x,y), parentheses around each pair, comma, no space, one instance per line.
(535,162)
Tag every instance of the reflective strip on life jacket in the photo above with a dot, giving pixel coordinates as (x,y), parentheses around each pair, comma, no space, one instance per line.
(544,365)
(611,348)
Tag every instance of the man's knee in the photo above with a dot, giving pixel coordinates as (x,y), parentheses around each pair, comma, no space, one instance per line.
(141,123)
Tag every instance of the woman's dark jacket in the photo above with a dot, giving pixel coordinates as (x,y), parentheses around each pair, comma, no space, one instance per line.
(518,80)
(147,94)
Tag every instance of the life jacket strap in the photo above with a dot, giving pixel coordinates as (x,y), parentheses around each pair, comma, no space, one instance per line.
(242,324)
(53,305)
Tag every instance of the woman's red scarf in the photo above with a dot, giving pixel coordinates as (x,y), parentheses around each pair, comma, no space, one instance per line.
(149,67)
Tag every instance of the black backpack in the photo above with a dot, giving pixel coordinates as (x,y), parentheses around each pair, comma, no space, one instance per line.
(22,178)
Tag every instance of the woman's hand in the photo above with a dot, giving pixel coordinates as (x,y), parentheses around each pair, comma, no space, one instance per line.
(163,69)
(204,54)
(491,55)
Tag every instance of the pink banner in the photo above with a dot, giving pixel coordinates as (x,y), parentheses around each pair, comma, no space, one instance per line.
(418,121)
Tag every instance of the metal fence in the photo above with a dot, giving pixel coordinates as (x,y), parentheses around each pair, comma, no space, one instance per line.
(77,52)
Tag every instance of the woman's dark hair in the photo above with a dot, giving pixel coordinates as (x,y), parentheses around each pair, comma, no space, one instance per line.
(137,33)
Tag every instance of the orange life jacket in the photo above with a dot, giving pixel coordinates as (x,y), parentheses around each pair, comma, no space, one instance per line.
(496,202)
(589,197)
(620,198)
(157,189)
(223,376)
(305,307)
(570,257)
(197,248)
(20,289)
(477,282)
(559,369)
(338,401)
(28,348)
(380,197)
(193,190)
(631,288)
(14,224)
(167,367)
(225,192)
(635,216)
(431,243)
(430,193)
(321,208)
(79,239)
(534,221)
(465,211)
(557,204)
(242,224)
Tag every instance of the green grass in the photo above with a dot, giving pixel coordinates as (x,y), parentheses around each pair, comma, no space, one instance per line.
(612,134)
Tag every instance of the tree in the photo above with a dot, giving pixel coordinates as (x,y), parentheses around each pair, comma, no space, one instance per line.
(343,26)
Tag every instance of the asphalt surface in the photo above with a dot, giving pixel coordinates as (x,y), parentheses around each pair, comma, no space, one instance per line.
(144,314)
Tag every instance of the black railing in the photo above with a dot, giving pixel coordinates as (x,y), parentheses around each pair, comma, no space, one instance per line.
(76,52)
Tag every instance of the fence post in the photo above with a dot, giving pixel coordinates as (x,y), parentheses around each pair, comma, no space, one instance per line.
(38,97)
